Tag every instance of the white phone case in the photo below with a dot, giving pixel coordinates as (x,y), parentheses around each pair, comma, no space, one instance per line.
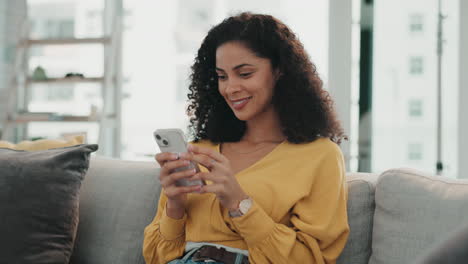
(173,140)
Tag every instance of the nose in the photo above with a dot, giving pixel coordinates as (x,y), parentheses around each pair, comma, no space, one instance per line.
(233,86)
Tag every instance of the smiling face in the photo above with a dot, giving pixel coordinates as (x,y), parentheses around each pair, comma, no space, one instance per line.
(245,80)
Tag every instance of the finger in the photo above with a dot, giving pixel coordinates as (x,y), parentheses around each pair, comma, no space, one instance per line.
(163,157)
(193,178)
(173,177)
(206,161)
(212,188)
(208,152)
(183,174)
(165,182)
(199,158)
(176,191)
(206,176)
(169,166)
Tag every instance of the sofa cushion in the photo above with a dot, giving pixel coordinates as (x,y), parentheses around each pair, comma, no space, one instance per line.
(39,196)
(361,188)
(453,250)
(118,200)
(413,212)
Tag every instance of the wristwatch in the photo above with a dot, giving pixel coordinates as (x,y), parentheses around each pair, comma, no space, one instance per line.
(242,209)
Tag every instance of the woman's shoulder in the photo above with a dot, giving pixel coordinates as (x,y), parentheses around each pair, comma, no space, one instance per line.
(319,147)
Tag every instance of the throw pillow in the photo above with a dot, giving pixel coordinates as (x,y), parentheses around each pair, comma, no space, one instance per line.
(451,251)
(413,212)
(39,198)
(43,144)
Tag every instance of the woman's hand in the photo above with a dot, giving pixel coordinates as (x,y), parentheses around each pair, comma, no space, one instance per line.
(176,195)
(224,183)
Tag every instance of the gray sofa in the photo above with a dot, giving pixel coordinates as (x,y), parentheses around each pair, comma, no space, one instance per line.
(394,217)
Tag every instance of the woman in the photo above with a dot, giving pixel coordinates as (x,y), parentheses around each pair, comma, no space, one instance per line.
(266,134)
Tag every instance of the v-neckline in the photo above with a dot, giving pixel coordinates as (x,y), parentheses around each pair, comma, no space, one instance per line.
(261,160)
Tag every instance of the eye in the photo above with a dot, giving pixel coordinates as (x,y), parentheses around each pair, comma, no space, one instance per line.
(221,77)
(246,74)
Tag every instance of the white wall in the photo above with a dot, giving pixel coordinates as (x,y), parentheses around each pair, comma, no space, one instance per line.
(463,93)
(12,13)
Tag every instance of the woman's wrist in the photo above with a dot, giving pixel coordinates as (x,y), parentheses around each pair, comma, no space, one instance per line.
(174,210)
(234,205)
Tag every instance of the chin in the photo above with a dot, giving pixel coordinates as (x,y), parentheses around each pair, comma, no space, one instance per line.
(242,116)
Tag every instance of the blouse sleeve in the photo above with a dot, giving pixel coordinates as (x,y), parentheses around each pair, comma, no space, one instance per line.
(164,238)
(319,226)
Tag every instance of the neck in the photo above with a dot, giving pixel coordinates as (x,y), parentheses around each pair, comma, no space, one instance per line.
(266,127)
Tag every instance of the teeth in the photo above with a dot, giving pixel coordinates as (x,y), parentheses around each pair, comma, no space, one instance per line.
(240,102)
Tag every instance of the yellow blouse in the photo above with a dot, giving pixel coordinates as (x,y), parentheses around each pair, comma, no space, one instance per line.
(298,214)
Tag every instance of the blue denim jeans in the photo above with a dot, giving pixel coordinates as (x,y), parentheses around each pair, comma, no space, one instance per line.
(187,259)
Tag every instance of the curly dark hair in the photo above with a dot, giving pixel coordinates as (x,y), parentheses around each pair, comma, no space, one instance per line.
(304,108)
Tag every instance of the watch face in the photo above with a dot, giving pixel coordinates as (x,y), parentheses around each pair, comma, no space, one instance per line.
(245,205)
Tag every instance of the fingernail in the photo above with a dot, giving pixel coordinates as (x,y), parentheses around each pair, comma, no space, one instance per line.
(183,155)
(190,147)
(175,156)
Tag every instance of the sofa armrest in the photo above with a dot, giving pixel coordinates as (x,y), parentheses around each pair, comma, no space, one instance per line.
(361,206)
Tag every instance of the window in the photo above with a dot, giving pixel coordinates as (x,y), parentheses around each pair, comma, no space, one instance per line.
(94,20)
(415,151)
(36,51)
(400,58)
(416,23)
(128,19)
(416,65)
(66,28)
(193,21)
(61,93)
(415,108)
(59,28)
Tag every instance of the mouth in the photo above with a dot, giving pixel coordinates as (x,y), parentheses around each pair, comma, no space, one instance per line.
(240,103)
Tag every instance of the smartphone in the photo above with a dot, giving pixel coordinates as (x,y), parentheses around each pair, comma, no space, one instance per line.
(173,140)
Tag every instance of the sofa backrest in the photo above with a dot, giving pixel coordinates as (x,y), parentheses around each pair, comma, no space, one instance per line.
(118,200)
(411,212)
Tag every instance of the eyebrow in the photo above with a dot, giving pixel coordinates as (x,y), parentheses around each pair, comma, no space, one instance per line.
(236,67)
